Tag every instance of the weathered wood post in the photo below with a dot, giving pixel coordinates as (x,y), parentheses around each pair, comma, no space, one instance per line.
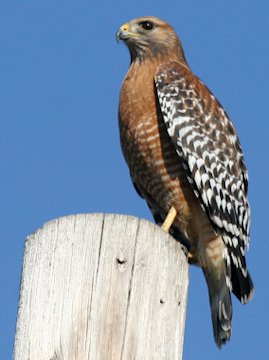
(101,287)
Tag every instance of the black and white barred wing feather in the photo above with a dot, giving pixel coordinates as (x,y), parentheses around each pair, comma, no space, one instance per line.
(206,142)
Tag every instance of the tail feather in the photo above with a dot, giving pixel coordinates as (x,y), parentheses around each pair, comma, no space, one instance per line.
(221,307)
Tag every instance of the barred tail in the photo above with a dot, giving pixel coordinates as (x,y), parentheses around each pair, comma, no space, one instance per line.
(221,307)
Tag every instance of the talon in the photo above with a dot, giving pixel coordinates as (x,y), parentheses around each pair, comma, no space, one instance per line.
(169,219)
(191,258)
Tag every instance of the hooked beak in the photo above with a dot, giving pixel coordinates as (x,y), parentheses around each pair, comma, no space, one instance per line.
(120,35)
(124,33)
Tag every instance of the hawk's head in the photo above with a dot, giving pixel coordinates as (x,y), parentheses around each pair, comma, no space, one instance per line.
(149,36)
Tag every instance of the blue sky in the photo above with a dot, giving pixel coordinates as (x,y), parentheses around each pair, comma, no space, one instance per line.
(60,75)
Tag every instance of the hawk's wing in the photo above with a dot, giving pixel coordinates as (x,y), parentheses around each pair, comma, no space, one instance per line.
(206,142)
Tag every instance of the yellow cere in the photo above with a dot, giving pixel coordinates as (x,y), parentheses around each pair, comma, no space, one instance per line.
(125,27)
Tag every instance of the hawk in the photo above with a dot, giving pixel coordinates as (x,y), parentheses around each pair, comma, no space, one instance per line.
(186,161)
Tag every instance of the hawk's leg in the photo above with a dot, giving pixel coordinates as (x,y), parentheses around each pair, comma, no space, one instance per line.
(169,219)
(168,222)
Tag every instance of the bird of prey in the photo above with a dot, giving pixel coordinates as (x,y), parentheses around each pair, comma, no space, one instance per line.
(186,161)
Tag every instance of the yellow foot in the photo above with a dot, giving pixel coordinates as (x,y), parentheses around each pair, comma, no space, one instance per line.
(191,258)
(169,219)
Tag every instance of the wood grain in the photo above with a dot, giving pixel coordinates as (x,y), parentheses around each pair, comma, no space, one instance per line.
(101,287)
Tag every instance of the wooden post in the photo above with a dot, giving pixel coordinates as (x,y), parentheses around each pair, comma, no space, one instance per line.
(101,287)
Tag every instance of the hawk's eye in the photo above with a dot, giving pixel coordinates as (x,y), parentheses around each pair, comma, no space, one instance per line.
(147,25)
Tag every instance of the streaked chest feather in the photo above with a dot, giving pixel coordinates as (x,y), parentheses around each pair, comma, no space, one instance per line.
(146,145)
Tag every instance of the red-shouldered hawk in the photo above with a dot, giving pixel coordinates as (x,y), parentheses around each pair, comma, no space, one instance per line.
(186,161)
